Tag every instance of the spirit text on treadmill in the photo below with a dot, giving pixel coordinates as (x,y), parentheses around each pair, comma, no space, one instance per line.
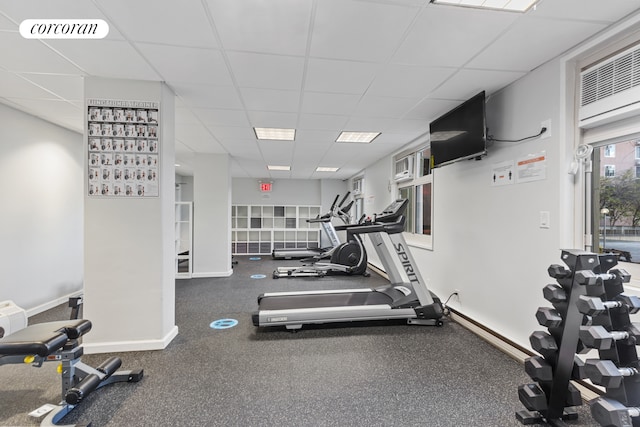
(406,262)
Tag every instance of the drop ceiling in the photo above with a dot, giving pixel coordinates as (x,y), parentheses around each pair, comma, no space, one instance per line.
(318,66)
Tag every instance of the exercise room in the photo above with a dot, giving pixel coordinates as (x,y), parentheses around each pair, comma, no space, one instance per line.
(320,213)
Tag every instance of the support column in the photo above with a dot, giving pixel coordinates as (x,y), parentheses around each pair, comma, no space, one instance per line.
(212,216)
(129,284)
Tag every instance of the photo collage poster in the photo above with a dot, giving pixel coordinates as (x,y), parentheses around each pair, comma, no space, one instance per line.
(123,148)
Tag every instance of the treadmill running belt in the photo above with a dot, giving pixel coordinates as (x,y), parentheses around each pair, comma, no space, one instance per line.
(323,300)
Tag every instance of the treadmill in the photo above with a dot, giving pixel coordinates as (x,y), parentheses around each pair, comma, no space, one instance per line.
(325,222)
(405,297)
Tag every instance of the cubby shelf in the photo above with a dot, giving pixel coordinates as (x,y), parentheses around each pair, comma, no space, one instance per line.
(258,229)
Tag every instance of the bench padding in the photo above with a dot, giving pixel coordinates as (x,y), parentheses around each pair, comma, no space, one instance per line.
(43,339)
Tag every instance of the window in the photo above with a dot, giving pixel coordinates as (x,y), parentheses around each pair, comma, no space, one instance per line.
(615,201)
(610,151)
(637,151)
(419,191)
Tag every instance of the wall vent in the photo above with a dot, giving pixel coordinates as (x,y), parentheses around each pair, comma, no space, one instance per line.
(610,90)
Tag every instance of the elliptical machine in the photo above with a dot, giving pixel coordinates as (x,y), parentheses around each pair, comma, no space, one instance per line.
(349,258)
(309,254)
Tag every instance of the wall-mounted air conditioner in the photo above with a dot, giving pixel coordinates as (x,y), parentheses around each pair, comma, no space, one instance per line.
(610,90)
(404,169)
(357,187)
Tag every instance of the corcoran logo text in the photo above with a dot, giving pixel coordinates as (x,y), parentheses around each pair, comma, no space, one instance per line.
(64,29)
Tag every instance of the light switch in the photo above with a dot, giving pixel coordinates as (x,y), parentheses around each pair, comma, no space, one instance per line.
(544,219)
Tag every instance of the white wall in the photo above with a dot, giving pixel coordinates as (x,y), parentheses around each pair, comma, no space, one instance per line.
(41,221)
(487,243)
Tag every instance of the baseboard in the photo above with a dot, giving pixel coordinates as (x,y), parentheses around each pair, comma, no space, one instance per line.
(212,274)
(54,303)
(124,346)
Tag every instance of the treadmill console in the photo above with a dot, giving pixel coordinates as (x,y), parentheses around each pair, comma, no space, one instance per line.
(393,211)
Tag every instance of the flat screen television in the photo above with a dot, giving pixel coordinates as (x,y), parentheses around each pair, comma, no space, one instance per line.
(459,134)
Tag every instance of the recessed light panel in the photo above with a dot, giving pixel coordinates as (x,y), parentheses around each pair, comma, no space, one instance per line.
(278,168)
(363,137)
(275,134)
(510,5)
(326,169)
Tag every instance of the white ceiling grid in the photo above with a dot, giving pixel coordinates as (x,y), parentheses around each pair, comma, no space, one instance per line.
(320,66)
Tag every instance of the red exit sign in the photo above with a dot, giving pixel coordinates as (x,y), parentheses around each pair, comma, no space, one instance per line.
(266,187)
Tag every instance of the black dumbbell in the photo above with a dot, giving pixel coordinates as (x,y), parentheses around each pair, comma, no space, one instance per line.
(598,337)
(606,373)
(532,397)
(543,343)
(611,413)
(589,278)
(594,306)
(554,293)
(538,369)
(548,317)
(558,272)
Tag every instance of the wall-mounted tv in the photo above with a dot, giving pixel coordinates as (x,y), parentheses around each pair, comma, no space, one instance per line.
(459,134)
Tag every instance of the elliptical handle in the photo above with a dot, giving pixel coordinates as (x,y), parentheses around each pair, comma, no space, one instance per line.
(344,198)
(333,205)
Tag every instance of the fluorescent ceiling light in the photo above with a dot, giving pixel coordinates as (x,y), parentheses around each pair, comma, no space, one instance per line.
(511,5)
(326,169)
(278,168)
(365,137)
(275,133)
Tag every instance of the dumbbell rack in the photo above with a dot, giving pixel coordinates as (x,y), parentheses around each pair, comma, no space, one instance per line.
(552,397)
(611,408)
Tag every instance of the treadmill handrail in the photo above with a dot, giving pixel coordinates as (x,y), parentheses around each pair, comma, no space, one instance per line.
(375,227)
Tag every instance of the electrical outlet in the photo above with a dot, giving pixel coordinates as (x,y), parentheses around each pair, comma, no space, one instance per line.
(547,133)
(457,294)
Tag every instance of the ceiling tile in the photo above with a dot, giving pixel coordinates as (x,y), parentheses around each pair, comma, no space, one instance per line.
(65,86)
(322,121)
(221,117)
(384,106)
(326,137)
(271,100)
(450,36)
(227,135)
(44,107)
(408,81)
(273,119)
(329,103)
(525,46)
(276,26)
(106,58)
(185,64)
(429,109)
(199,139)
(334,76)
(31,55)
(207,96)
(266,71)
(14,86)
(181,23)
(356,30)
(584,10)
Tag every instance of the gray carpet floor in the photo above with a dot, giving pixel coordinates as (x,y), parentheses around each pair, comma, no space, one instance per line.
(342,375)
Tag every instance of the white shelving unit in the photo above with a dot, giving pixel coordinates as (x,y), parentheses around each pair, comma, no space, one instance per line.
(184,240)
(258,229)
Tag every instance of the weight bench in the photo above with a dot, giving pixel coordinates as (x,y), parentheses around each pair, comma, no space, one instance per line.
(58,342)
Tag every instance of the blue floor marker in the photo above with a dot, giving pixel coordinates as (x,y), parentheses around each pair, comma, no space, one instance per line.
(224,324)
(255,258)
(258,276)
